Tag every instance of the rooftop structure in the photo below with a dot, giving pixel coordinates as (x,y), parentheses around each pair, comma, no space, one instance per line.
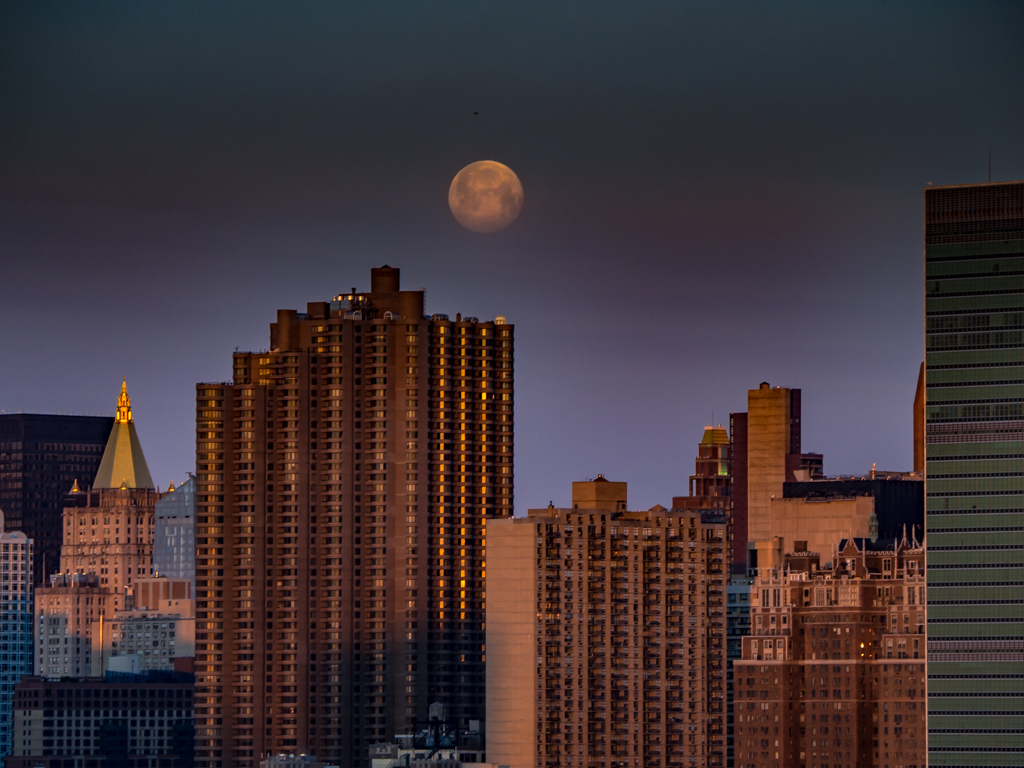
(123,465)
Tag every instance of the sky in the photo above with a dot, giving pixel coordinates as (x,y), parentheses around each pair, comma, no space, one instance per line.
(716,195)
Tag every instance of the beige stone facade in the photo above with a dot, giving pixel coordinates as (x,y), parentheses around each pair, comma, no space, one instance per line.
(110,535)
(817,524)
(69,625)
(606,636)
(769,442)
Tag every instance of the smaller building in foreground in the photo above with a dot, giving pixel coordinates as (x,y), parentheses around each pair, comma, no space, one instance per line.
(117,720)
(833,673)
(69,615)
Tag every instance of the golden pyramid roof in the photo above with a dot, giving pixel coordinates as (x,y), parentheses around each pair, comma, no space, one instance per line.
(715,435)
(123,464)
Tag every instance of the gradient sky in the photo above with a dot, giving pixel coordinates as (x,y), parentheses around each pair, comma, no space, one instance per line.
(716,195)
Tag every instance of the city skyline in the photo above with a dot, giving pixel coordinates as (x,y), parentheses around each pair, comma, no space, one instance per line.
(684,167)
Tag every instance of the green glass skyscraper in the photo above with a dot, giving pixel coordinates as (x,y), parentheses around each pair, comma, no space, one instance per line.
(974,434)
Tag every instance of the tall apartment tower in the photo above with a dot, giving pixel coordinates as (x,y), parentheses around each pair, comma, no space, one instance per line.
(15,625)
(974,470)
(344,481)
(606,635)
(711,483)
(41,457)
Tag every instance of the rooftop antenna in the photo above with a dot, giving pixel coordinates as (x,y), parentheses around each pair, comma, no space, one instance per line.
(990,166)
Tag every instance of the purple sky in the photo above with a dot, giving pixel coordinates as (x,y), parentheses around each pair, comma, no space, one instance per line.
(716,195)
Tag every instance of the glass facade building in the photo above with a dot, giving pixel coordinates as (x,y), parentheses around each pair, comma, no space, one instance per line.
(974,434)
(16,655)
(174,540)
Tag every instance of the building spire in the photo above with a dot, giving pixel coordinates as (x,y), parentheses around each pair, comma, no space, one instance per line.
(124,405)
(123,465)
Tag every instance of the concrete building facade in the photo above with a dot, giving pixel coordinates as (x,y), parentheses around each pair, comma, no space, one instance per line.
(833,672)
(606,635)
(344,480)
(69,625)
(773,440)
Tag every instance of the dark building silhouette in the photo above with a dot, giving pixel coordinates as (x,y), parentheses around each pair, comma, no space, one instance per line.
(738,445)
(41,457)
(117,721)
(343,483)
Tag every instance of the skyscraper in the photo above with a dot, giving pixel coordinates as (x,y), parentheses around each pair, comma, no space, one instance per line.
(606,635)
(41,456)
(773,451)
(343,484)
(974,446)
(108,530)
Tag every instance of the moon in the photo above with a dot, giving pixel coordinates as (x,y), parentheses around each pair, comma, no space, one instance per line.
(485,196)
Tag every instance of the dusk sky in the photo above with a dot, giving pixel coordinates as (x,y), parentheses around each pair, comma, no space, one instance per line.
(715,195)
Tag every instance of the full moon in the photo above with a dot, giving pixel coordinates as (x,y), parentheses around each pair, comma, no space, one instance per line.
(485,196)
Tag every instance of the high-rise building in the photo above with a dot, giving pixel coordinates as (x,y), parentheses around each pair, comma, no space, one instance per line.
(974,446)
(773,452)
(120,720)
(15,623)
(108,530)
(174,535)
(606,635)
(343,484)
(711,483)
(833,671)
(41,456)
